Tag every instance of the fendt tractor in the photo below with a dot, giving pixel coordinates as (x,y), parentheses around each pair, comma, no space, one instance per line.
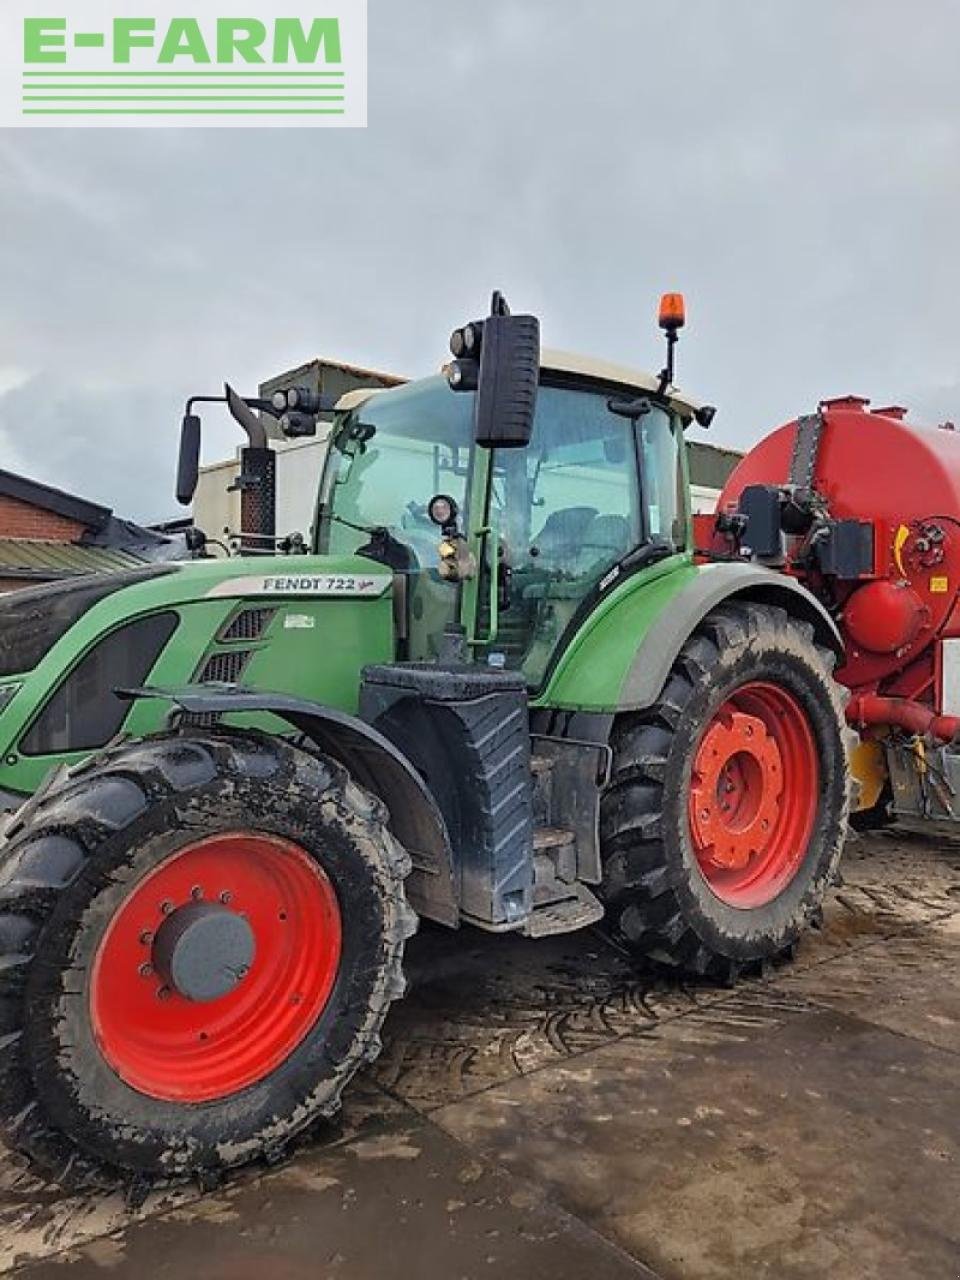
(498,690)
(864,508)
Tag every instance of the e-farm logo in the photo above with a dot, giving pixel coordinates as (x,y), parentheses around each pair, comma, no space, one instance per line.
(183,62)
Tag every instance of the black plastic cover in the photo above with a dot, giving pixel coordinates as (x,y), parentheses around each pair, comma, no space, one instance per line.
(847,551)
(34,619)
(760,503)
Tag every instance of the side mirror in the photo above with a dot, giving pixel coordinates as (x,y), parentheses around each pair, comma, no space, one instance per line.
(188,463)
(509,377)
(500,358)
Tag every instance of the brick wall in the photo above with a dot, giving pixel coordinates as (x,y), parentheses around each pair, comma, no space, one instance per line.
(21,520)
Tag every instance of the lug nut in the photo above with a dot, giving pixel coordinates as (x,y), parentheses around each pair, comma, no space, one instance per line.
(163,993)
(225,896)
(146,938)
(146,971)
(166,907)
(196,893)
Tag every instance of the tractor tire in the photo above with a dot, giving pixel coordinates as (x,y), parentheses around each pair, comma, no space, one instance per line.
(200,936)
(725,816)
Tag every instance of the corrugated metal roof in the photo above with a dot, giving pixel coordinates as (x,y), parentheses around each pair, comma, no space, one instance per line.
(37,559)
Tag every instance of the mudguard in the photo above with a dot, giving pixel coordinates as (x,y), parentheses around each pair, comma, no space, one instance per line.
(714,584)
(621,655)
(372,760)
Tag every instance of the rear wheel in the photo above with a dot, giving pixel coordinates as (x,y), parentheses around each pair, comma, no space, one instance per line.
(200,937)
(725,817)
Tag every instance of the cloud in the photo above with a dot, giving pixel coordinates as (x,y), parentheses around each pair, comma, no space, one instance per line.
(792,167)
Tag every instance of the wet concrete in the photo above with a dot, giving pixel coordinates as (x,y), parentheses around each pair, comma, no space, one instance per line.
(401,1200)
(546,1109)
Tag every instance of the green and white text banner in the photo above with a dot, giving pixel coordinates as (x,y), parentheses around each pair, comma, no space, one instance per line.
(181,63)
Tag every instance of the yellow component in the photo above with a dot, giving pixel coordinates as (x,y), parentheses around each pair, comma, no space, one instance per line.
(903,533)
(868,764)
(939,586)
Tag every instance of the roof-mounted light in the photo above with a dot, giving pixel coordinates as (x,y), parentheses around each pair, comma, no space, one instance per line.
(673,312)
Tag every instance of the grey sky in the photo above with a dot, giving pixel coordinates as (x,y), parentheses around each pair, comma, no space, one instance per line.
(791,165)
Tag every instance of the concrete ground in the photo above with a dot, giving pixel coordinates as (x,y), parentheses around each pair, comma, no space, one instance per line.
(541,1108)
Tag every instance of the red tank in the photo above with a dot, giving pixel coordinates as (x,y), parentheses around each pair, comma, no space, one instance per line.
(899,614)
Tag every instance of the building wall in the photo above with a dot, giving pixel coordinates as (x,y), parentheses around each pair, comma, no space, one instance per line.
(216,509)
(21,520)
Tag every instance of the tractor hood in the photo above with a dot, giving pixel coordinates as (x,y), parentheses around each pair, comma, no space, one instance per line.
(299,625)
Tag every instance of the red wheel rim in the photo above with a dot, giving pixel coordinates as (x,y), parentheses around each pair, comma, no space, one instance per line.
(754,794)
(169,1046)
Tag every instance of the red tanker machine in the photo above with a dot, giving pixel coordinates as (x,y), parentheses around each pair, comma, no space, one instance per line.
(864,508)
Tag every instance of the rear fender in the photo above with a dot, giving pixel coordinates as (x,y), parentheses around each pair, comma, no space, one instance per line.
(374,763)
(714,585)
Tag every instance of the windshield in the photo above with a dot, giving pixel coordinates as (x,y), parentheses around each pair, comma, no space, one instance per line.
(388,459)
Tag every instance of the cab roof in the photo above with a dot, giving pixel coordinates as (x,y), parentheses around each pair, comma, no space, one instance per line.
(579,366)
(620,374)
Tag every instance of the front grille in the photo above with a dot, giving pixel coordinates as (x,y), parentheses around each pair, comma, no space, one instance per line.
(224,668)
(248,625)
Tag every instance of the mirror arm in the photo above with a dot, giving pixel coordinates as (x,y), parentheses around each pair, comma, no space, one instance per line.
(255,402)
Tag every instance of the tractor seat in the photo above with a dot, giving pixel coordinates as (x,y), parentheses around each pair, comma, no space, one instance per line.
(558,542)
(605,539)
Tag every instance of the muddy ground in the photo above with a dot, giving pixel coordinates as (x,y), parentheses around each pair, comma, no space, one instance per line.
(544,1109)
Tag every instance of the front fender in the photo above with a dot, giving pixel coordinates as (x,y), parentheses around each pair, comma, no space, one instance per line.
(622,656)
(374,763)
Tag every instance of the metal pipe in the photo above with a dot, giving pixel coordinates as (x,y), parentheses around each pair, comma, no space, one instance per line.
(870,710)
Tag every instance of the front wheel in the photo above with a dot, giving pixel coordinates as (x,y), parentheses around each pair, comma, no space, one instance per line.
(200,936)
(727,809)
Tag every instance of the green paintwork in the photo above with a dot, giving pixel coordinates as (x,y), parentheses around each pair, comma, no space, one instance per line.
(590,674)
(321,661)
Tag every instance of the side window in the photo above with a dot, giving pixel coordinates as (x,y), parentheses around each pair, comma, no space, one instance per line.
(662,479)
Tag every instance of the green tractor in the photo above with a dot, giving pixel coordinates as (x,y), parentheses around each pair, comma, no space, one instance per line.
(498,690)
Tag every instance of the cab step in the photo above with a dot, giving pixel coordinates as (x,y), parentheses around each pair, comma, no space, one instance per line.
(566,915)
(560,902)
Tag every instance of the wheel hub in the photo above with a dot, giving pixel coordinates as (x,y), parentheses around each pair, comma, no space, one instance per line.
(203,950)
(754,794)
(736,789)
(215,966)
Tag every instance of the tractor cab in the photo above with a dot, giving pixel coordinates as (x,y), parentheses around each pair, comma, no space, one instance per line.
(511,545)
